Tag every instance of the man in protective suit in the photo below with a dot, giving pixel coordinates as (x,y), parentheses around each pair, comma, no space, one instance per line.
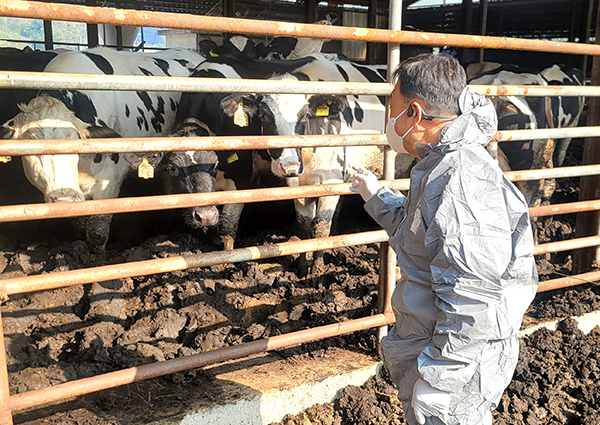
(464,244)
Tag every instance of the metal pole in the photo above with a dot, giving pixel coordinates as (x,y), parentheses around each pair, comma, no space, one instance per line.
(135,374)
(372,23)
(565,282)
(588,223)
(72,13)
(64,81)
(483,5)
(92,28)
(387,256)
(48,39)
(466,21)
(5,406)
(164,265)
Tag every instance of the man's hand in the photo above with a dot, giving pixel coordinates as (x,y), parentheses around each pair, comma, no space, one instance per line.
(428,401)
(364,182)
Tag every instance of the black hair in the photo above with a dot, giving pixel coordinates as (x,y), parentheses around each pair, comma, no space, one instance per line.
(436,80)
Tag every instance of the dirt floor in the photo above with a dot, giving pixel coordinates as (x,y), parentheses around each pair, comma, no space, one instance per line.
(82,331)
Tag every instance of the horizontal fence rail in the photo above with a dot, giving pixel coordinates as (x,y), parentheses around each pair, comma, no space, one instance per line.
(60,81)
(48,281)
(94,15)
(19,147)
(84,386)
(25,284)
(40,211)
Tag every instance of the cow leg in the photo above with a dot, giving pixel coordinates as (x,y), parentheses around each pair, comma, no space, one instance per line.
(305,214)
(228,227)
(97,230)
(321,227)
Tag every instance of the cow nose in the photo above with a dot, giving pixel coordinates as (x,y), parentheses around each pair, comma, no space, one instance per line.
(66,198)
(290,170)
(208,216)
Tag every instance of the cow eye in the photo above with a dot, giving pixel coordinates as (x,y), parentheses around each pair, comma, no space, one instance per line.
(214,171)
(172,169)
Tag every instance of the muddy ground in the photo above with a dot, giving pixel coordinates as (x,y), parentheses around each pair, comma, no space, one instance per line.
(82,331)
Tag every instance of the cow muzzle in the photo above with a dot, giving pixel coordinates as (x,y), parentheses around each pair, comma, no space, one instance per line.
(66,197)
(289,170)
(205,216)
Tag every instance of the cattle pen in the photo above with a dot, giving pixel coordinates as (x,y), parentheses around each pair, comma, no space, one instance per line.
(9,404)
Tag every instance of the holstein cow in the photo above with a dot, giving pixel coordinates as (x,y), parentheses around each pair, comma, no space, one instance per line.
(524,112)
(282,48)
(304,115)
(68,178)
(223,114)
(130,114)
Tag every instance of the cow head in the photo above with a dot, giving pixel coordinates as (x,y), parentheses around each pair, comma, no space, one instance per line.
(56,176)
(193,172)
(265,115)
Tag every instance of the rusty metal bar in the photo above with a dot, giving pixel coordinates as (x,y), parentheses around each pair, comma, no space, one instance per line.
(566,282)
(5,408)
(163,202)
(546,173)
(84,386)
(164,265)
(17,147)
(566,245)
(72,13)
(387,256)
(546,133)
(519,90)
(567,208)
(59,81)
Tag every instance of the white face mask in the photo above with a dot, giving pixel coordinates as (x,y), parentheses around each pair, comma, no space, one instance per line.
(394,139)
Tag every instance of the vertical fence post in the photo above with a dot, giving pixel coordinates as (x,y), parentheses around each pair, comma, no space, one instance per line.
(5,412)
(387,256)
(588,223)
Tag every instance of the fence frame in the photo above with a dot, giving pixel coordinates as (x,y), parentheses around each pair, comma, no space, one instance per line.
(394,37)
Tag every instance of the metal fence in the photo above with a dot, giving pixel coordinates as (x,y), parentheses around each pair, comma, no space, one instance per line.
(49,11)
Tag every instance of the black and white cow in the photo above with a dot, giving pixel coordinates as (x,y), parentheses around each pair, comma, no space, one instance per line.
(20,61)
(280,48)
(527,112)
(67,178)
(293,114)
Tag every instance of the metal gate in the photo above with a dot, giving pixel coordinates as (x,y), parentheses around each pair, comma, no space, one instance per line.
(394,37)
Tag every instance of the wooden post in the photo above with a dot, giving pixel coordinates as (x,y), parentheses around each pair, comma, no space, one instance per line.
(585,36)
(372,23)
(5,412)
(48,38)
(588,223)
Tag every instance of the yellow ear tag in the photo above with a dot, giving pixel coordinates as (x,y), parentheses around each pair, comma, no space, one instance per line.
(213,54)
(145,170)
(323,111)
(232,158)
(239,117)
(5,159)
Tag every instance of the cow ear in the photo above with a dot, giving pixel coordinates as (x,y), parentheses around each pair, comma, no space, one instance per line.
(207,46)
(95,132)
(231,104)
(7,132)
(135,159)
(326,105)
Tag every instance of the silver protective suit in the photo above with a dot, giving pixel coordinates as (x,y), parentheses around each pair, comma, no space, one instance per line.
(465,247)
